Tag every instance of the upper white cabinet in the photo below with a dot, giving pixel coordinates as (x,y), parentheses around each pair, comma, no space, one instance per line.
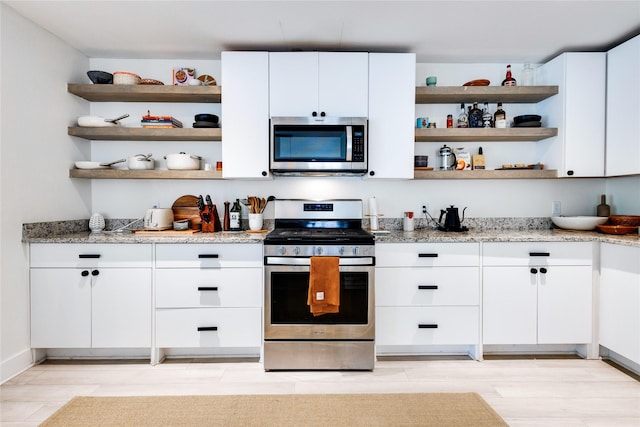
(392,98)
(577,112)
(623,109)
(333,83)
(245,112)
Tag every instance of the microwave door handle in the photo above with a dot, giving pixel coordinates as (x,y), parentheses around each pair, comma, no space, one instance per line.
(349,144)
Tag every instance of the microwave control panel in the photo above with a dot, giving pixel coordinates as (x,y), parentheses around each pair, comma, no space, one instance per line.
(358,144)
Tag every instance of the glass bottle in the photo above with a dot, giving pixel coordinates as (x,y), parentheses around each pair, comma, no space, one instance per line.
(509,80)
(475,117)
(449,120)
(463,120)
(235,222)
(500,117)
(226,221)
(487,117)
(603,209)
(528,76)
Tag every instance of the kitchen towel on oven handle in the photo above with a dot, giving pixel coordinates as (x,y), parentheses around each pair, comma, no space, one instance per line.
(324,285)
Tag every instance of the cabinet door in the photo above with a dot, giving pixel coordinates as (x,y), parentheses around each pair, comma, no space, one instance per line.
(343,84)
(293,83)
(245,114)
(623,109)
(60,308)
(392,99)
(620,300)
(565,305)
(509,305)
(121,308)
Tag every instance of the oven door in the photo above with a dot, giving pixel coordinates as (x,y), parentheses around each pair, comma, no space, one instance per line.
(288,317)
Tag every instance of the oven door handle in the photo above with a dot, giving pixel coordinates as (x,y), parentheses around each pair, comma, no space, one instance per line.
(307,261)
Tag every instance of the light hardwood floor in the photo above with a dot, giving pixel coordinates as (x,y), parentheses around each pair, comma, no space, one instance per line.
(532,392)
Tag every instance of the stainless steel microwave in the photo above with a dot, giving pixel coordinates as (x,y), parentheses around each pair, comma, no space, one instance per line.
(318,146)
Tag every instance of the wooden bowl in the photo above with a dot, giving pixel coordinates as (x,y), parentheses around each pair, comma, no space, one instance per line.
(633,220)
(617,229)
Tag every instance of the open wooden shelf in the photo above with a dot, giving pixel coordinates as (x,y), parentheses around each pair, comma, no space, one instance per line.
(143,174)
(146,134)
(480,94)
(487,174)
(146,93)
(483,134)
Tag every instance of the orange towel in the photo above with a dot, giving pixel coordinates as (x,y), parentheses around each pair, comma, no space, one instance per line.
(324,285)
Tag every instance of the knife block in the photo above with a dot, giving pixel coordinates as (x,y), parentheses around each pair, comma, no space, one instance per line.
(210,220)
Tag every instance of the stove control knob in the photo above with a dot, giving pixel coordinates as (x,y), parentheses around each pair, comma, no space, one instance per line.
(282,250)
(318,250)
(356,250)
(341,250)
(296,250)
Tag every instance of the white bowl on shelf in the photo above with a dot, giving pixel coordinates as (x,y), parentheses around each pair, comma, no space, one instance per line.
(578,222)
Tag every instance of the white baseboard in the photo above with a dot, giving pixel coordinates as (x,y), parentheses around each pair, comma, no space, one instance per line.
(15,365)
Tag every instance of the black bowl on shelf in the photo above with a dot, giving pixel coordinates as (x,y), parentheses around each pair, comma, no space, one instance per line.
(100,77)
(527,118)
(212,118)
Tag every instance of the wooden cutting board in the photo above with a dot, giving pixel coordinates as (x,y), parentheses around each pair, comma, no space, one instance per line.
(165,232)
(186,207)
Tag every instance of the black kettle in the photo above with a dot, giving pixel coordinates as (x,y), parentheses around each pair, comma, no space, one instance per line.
(452,221)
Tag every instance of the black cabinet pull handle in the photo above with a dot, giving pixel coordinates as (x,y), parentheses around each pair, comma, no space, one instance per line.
(372,173)
(428,326)
(534,271)
(84,256)
(314,114)
(84,273)
(95,272)
(427,287)
(207,328)
(208,256)
(207,288)
(264,173)
(427,255)
(543,270)
(539,254)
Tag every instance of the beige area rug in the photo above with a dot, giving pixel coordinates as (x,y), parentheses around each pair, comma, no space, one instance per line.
(402,409)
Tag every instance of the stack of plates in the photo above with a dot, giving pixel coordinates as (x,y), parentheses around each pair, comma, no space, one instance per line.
(527,121)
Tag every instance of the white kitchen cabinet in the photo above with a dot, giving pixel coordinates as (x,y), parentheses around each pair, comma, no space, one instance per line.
(620,300)
(209,296)
(90,296)
(537,293)
(623,109)
(327,83)
(245,114)
(427,297)
(392,98)
(577,111)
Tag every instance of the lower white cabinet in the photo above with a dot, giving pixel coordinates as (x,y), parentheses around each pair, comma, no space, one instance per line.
(620,300)
(427,294)
(82,298)
(209,295)
(537,293)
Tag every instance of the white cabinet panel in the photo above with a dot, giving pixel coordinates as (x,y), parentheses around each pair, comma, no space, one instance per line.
(293,83)
(196,255)
(209,287)
(90,255)
(427,254)
(537,253)
(209,327)
(245,114)
(344,84)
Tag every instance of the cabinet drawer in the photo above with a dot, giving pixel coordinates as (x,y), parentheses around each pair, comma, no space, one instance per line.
(236,287)
(427,254)
(203,255)
(209,327)
(64,255)
(537,253)
(427,325)
(427,286)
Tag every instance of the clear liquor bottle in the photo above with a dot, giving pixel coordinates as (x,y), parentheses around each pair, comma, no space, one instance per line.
(487,117)
(463,120)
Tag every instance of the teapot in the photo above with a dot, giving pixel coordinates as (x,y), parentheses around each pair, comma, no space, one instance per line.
(446,158)
(452,221)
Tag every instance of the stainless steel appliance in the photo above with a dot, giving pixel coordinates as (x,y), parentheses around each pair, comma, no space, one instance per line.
(293,337)
(318,145)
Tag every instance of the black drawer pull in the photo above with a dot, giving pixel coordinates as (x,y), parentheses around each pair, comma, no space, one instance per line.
(95,272)
(428,326)
(543,270)
(539,254)
(208,256)
(84,256)
(207,328)
(207,288)
(427,287)
(84,273)
(534,271)
(427,255)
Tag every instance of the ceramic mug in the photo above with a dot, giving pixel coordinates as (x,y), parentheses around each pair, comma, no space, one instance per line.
(255,221)
(432,80)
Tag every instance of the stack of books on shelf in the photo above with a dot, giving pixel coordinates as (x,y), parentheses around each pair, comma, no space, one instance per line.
(149,121)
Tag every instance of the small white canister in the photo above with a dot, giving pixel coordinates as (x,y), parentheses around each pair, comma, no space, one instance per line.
(407,221)
(96,223)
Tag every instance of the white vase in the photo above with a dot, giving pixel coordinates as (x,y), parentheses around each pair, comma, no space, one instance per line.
(96,223)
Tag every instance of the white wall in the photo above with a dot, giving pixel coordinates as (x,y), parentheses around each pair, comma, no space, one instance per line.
(35,153)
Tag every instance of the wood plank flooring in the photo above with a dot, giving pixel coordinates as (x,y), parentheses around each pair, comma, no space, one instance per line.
(525,392)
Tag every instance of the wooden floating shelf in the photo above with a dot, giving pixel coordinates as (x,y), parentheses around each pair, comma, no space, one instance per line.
(487,174)
(484,134)
(146,134)
(480,94)
(143,174)
(146,93)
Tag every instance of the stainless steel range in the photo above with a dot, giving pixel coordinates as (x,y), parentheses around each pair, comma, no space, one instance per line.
(293,337)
